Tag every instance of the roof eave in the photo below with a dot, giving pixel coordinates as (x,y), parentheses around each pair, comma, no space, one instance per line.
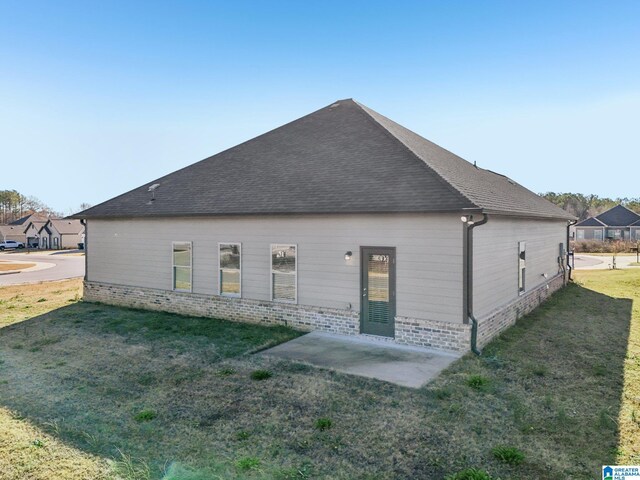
(510,213)
(80,216)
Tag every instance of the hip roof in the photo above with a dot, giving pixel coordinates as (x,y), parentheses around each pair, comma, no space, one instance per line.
(344,158)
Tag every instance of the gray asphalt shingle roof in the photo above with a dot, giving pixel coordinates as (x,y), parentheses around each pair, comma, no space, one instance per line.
(344,158)
(6,230)
(67,226)
(28,218)
(618,216)
(590,222)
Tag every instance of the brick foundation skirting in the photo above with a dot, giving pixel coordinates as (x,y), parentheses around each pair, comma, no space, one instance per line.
(408,331)
(345,322)
(428,333)
(502,318)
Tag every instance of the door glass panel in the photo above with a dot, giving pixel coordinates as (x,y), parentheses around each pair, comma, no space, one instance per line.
(378,287)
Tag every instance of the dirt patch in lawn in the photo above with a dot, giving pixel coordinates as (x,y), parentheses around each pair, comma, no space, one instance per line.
(166,395)
(7,267)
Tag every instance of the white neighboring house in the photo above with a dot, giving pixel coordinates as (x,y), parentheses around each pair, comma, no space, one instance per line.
(32,233)
(61,233)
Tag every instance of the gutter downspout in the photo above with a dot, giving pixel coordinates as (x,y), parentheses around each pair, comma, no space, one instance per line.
(468,273)
(83,221)
(569,225)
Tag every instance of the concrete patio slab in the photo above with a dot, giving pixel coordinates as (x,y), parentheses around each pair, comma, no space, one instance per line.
(402,365)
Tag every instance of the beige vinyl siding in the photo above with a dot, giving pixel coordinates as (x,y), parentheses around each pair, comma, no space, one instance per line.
(71,240)
(495,267)
(428,248)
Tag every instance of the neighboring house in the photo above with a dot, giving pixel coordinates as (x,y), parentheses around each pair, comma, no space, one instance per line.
(341,221)
(617,223)
(12,232)
(44,237)
(61,233)
(32,232)
(29,225)
(24,221)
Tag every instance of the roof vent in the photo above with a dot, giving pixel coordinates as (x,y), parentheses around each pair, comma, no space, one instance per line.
(152,189)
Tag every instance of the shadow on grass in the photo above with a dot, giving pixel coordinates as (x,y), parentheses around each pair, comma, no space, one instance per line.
(162,387)
(564,367)
(108,380)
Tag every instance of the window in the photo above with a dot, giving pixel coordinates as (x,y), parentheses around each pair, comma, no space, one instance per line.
(229,264)
(580,233)
(182,266)
(613,233)
(597,234)
(521,266)
(284,267)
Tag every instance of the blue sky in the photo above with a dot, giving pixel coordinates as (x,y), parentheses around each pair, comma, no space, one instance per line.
(97,98)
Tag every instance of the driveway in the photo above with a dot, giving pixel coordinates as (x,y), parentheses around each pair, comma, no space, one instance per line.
(602,262)
(402,365)
(49,266)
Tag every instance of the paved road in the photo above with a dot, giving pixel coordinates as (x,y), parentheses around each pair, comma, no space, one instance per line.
(65,266)
(604,262)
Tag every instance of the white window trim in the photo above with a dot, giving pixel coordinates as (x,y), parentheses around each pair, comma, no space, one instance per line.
(271,272)
(232,295)
(173,269)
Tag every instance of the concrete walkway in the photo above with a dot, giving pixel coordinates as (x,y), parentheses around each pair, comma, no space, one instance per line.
(402,365)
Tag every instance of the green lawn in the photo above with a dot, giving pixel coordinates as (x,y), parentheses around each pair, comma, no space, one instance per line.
(91,391)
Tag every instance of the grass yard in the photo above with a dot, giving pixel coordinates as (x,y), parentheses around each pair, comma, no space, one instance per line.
(97,392)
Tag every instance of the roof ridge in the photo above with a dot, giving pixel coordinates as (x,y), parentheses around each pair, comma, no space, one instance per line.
(445,171)
(439,175)
(163,177)
(628,209)
(591,218)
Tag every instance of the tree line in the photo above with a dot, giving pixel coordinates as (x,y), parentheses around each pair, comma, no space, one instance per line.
(585,206)
(14,205)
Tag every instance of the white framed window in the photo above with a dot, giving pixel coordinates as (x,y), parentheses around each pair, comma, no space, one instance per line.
(284,273)
(522,266)
(597,234)
(230,269)
(182,275)
(580,233)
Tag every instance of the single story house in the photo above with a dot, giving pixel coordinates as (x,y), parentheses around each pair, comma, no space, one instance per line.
(61,233)
(19,230)
(617,223)
(342,221)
